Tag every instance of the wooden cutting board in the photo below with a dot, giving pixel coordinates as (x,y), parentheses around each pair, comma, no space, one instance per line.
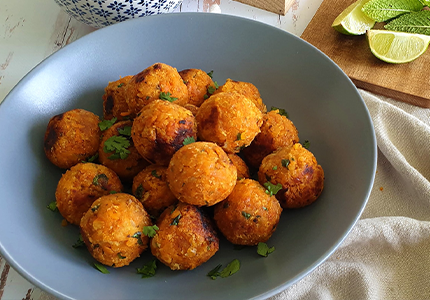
(276,6)
(408,82)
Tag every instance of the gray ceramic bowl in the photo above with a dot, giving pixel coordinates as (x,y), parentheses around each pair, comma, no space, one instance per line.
(321,101)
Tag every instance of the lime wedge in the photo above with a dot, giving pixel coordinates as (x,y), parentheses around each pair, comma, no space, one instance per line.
(352,21)
(397,47)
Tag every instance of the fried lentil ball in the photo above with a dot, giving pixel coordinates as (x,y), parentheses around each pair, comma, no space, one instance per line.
(72,137)
(132,162)
(160,130)
(241,167)
(201,174)
(148,85)
(199,84)
(248,215)
(247,89)
(185,239)
(229,119)
(150,187)
(114,100)
(80,186)
(277,131)
(297,170)
(112,229)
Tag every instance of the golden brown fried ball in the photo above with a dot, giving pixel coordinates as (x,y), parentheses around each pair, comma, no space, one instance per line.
(114,100)
(185,239)
(229,119)
(248,215)
(245,88)
(112,229)
(160,130)
(201,174)
(72,137)
(150,187)
(131,162)
(80,186)
(297,170)
(199,84)
(241,167)
(148,85)
(277,131)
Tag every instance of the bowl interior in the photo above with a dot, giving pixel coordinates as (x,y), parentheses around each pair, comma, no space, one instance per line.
(321,101)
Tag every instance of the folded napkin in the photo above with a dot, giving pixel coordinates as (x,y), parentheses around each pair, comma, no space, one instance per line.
(387,254)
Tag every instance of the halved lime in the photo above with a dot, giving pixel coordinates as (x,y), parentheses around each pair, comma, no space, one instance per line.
(352,21)
(397,47)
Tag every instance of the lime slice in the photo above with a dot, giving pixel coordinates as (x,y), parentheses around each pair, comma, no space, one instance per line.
(397,47)
(352,21)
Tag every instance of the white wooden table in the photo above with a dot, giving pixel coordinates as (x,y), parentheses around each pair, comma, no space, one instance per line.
(31,30)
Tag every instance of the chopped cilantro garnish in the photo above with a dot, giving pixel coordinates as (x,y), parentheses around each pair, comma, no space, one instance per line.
(92,158)
(95,207)
(265,208)
(148,270)
(188,140)
(166,96)
(211,73)
(229,270)
(176,220)
(150,231)
(216,84)
(246,215)
(101,268)
(118,145)
(275,168)
(139,192)
(137,236)
(79,243)
(239,136)
(106,124)
(125,131)
(154,173)
(264,250)
(214,273)
(281,111)
(120,85)
(306,144)
(120,256)
(211,90)
(272,189)
(285,163)
(113,192)
(52,206)
(100,179)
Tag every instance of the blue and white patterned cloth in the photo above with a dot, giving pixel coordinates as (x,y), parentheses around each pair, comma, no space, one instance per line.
(101,13)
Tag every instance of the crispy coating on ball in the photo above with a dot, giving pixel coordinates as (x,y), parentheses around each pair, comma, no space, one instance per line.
(112,229)
(201,174)
(297,170)
(80,186)
(277,131)
(185,239)
(192,108)
(150,187)
(241,167)
(147,86)
(247,89)
(114,100)
(199,84)
(160,130)
(230,120)
(248,215)
(72,137)
(128,167)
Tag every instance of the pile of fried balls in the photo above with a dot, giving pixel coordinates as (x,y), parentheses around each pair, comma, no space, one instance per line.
(175,150)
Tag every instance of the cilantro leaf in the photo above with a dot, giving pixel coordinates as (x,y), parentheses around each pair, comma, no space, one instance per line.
(139,192)
(188,140)
(101,268)
(264,250)
(306,144)
(120,85)
(211,90)
(211,73)
(148,270)
(246,215)
(216,84)
(150,231)
(137,236)
(125,131)
(106,124)
(214,273)
(166,96)
(154,173)
(79,243)
(230,269)
(285,163)
(52,206)
(272,189)
(281,111)
(118,145)
(176,220)
(100,179)
(120,256)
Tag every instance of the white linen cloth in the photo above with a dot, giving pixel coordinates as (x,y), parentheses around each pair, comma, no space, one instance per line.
(387,254)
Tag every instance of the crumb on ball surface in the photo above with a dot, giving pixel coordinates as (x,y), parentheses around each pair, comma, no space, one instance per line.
(299,173)
(112,229)
(201,174)
(72,137)
(185,239)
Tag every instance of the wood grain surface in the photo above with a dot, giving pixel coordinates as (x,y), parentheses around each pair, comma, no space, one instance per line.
(276,6)
(408,82)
